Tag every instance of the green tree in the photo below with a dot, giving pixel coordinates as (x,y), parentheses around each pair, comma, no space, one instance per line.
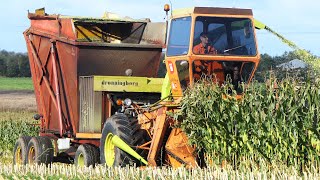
(12,68)
(14,64)
(3,67)
(24,67)
(267,63)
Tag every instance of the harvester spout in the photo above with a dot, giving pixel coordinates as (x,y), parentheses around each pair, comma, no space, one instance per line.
(259,24)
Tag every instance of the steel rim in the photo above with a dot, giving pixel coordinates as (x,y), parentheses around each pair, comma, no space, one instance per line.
(18,155)
(109,150)
(80,160)
(31,155)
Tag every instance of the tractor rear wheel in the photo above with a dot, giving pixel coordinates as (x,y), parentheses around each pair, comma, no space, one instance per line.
(40,150)
(20,150)
(86,155)
(129,131)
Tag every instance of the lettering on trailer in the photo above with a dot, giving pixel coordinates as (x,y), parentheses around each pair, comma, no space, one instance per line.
(127,84)
(119,83)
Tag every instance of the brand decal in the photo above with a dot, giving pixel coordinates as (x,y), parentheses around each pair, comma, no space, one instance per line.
(119,83)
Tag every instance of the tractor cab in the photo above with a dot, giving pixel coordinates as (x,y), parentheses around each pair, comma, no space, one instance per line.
(215,43)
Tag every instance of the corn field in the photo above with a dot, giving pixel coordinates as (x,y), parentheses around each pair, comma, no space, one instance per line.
(13,125)
(58,171)
(277,124)
(271,133)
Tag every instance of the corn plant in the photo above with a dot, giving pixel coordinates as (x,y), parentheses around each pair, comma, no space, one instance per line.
(13,125)
(277,124)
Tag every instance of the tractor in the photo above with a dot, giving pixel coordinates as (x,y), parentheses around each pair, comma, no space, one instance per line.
(101,93)
(230,33)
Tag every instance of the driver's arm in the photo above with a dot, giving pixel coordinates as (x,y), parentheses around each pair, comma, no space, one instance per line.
(196,49)
(212,50)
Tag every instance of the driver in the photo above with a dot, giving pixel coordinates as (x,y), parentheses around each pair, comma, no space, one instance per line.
(207,68)
(203,47)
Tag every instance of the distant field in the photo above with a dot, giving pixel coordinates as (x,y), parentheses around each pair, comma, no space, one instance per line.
(15,83)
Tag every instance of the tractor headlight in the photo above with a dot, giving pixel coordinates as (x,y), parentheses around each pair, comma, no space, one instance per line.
(127,102)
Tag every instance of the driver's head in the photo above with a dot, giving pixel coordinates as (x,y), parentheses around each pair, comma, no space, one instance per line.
(204,38)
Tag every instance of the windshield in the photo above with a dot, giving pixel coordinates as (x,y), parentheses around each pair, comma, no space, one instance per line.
(226,36)
(223,71)
(179,39)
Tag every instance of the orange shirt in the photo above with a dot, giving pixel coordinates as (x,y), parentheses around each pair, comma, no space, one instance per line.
(207,67)
(200,49)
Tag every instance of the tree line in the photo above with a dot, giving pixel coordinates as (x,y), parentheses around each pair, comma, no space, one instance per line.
(269,65)
(14,64)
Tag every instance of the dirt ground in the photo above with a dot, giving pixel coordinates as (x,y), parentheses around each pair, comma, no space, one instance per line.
(17,101)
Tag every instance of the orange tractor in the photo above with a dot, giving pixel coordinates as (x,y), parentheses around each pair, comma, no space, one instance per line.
(100,89)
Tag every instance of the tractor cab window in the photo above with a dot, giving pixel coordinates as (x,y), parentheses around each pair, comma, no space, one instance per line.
(221,72)
(224,36)
(179,39)
(183,73)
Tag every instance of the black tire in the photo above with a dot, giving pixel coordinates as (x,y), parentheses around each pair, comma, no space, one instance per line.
(63,158)
(20,150)
(40,151)
(86,155)
(129,131)
(97,154)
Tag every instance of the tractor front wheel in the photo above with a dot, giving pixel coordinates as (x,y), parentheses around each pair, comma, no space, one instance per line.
(129,131)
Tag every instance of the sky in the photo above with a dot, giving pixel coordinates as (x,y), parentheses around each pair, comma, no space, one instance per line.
(297,20)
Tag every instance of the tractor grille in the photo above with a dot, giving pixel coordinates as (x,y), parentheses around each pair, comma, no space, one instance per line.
(90,106)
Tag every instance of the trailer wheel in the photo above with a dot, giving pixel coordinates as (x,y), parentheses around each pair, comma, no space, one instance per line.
(40,150)
(86,155)
(128,130)
(20,150)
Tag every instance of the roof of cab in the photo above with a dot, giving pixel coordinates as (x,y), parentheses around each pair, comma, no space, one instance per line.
(211,10)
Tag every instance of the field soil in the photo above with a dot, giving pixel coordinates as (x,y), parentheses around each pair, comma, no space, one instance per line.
(17,100)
